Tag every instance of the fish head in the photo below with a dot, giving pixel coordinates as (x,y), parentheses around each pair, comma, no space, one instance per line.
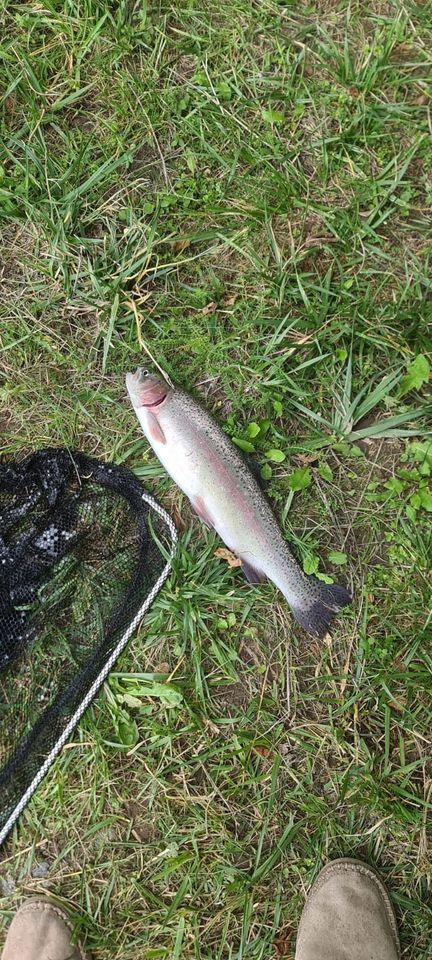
(146,390)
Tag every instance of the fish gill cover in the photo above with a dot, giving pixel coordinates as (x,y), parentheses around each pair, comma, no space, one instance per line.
(83,552)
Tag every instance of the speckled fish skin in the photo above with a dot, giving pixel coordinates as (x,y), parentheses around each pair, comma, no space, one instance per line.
(205,464)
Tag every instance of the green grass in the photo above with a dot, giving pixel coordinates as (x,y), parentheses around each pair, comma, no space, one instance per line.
(242,190)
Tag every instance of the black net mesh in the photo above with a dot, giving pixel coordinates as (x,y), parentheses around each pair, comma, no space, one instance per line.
(83,551)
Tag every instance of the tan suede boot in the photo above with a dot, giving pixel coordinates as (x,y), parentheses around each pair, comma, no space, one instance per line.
(41,930)
(347,916)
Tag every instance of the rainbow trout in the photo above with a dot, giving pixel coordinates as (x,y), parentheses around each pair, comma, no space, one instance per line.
(224,493)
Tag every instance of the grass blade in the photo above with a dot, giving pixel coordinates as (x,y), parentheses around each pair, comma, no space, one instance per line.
(109,333)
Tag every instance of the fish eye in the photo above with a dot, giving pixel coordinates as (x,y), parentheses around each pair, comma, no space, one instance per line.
(144,372)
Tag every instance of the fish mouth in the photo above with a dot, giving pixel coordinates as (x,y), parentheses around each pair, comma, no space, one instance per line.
(146,390)
(156,403)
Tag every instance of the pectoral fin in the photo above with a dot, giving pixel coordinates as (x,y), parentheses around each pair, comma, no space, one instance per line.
(155,429)
(251,573)
(201,509)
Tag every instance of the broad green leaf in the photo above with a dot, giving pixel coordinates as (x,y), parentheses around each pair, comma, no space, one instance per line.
(311,563)
(394,485)
(124,726)
(244,445)
(223,90)
(266,471)
(276,455)
(253,430)
(416,375)
(422,454)
(300,479)
(425,499)
(190,160)
(273,116)
(325,471)
(127,732)
(324,577)
(138,693)
(168,695)
(411,513)
(337,557)
(130,700)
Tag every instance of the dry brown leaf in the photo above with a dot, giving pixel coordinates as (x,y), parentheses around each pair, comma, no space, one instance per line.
(178,520)
(307,457)
(10,103)
(210,308)
(399,704)
(231,300)
(163,667)
(262,751)
(224,554)
(282,945)
(180,245)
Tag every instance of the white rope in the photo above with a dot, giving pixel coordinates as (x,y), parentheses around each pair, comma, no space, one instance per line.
(91,693)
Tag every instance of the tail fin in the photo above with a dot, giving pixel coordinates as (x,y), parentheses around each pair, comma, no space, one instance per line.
(317,613)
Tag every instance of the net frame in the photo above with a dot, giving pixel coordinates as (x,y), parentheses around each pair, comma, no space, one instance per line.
(103,674)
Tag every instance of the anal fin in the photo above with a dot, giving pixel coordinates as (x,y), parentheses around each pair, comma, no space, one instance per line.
(251,573)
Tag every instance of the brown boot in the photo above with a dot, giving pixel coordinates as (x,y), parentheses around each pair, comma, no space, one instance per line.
(347,916)
(40,930)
